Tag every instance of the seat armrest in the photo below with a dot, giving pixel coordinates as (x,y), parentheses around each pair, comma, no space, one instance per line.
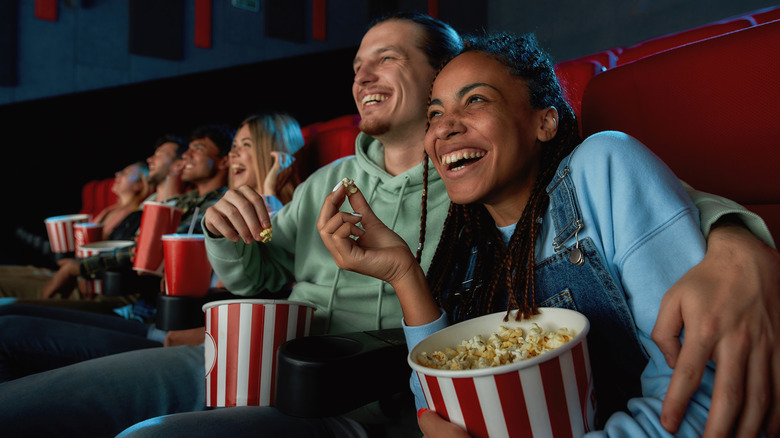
(322,376)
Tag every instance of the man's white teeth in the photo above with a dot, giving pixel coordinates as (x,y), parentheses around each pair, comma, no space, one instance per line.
(373,99)
(453,158)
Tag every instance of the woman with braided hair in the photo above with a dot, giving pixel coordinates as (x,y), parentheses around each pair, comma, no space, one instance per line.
(539,218)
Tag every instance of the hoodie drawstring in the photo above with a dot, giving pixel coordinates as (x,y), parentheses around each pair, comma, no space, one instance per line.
(331,299)
(380,296)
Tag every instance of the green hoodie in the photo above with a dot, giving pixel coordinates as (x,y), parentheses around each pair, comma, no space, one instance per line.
(345,301)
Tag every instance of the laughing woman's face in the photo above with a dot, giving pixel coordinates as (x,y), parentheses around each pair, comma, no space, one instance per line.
(483,135)
(242,158)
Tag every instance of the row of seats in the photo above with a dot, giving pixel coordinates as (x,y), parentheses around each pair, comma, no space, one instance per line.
(693,96)
(576,73)
(709,109)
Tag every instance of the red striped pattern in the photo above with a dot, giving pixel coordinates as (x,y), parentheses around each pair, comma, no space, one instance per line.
(60,230)
(553,399)
(241,347)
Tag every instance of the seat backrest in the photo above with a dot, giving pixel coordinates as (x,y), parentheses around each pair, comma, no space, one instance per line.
(666,42)
(708,109)
(325,142)
(574,76)
(766,15)
(97,195)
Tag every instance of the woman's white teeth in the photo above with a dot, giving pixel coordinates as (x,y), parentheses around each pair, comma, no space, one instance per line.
(454,158)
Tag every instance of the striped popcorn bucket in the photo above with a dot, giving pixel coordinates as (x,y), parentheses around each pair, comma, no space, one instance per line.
(242,341)
(95,286)
(550,395)
(60,230)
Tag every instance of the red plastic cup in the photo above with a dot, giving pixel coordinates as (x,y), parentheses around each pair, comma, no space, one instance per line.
(547,395)
(242,341)
(89,249)
(60,230)
(87,232)
(187,268)
(157,219)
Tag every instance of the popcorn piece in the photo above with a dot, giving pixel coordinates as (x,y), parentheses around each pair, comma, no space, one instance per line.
(266,235)
(505,347)
(349,185)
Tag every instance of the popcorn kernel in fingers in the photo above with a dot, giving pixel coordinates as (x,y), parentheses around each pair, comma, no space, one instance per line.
(349,185)
(266,235)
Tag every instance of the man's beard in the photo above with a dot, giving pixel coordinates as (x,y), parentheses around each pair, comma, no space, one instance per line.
(374,127)
(156,178)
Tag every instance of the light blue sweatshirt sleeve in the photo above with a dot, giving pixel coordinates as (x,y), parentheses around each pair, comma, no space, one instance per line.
(415,334)
(649,231)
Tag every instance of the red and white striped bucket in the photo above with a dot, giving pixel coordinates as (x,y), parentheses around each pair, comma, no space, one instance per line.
(242,341)
(60,230)
(550,395)
(96,286)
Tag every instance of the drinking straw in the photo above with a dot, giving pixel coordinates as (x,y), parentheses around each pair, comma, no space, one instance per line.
(192,222)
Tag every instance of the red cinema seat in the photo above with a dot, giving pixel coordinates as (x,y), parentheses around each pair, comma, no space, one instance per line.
(574,76)
(708,109)
(666,42)
(325,142)
(97,195)
(766,15)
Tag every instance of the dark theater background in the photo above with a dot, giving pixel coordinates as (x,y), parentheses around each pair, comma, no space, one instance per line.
(87,85)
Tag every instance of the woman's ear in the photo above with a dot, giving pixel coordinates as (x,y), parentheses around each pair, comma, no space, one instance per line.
(549,126)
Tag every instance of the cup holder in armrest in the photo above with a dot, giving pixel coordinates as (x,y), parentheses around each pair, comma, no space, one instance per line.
(323,376)
(182,313)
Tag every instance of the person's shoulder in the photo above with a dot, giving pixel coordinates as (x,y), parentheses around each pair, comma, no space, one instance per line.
(609,147)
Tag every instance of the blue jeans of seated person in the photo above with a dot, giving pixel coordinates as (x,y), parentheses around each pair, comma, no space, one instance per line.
(104,396)
(249,421)
(35,338)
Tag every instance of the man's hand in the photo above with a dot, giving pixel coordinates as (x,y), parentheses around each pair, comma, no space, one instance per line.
(729,305)
(239,214)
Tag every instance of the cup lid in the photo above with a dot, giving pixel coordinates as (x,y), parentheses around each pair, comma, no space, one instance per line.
(104,244)
(183,236)
(88,225)
(67,217)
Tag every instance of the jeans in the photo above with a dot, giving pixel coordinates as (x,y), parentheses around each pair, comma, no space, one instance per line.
(104,396)
(36,338)
(244,421)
